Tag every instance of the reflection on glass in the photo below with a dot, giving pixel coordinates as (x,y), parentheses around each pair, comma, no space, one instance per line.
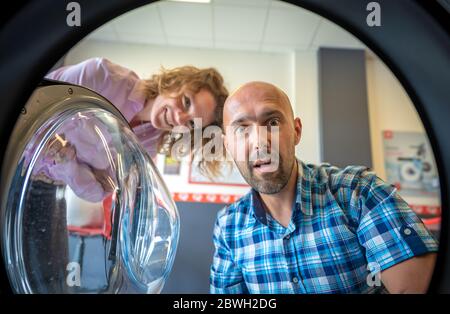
(88,211)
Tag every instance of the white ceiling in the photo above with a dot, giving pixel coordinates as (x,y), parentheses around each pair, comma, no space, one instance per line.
(256,25)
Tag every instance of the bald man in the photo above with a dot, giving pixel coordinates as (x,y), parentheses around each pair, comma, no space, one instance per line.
(307,228)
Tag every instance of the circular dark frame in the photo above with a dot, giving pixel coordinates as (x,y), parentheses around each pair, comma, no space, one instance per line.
(412,40)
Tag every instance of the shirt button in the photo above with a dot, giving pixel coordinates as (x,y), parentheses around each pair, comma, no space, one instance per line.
(295,280)
(407,231)
(287,237)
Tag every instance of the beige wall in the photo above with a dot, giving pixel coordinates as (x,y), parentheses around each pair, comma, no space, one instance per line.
(306,103)
(390,108)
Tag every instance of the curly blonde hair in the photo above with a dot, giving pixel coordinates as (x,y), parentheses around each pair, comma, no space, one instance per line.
(189,79)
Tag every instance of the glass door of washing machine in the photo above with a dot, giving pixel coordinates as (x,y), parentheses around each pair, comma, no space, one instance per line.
(83,207)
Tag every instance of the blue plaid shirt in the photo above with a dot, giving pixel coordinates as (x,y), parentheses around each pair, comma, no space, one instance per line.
(347,225)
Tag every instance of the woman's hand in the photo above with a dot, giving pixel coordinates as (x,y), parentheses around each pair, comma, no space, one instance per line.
(59,151)
(85,180)
(62,152)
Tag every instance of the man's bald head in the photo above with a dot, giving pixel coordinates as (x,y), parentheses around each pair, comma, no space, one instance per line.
(258,92)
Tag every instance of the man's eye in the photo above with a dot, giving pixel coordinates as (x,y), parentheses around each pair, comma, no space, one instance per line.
(274,122)
(240,129)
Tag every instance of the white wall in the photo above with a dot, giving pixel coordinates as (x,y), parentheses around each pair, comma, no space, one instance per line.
(236,67)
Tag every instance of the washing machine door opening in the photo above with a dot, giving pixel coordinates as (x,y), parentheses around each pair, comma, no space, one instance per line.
(85,209)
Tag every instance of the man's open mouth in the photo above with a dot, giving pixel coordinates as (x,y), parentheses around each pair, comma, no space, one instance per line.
(261,162)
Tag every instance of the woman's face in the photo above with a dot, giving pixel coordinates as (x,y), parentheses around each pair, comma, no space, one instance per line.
(169,111)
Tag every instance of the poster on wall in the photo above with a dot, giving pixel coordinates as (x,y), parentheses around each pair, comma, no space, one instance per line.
(171,166)
(410,165)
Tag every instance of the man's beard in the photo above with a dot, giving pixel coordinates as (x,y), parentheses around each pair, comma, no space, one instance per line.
(267,183)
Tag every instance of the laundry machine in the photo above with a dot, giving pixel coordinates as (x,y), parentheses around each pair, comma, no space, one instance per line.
(84,209)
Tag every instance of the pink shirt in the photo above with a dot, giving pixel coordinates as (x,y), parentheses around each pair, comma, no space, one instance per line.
(122,87)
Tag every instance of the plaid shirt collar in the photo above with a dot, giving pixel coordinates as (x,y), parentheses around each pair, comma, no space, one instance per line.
(302,199)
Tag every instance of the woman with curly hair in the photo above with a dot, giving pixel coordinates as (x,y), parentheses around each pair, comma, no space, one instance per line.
(153,107)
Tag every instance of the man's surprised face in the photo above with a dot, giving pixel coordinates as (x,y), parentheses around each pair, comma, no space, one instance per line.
(260,136)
